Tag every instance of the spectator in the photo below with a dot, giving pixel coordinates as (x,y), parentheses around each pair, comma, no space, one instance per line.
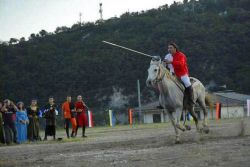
(68,109)
(81,115)
(9,117)
(50,117)
(33,112)
(1,125)
(21,123)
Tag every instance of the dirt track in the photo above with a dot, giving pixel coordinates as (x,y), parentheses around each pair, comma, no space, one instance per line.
(144,145)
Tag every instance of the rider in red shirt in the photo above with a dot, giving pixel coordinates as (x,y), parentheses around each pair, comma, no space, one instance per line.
(181,69)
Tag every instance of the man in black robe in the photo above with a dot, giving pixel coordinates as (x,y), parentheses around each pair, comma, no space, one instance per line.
(50,117)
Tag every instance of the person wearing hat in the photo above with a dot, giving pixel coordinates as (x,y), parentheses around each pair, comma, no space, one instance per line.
(179,63)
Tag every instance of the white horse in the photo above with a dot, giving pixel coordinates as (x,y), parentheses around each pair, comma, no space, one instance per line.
(172,94)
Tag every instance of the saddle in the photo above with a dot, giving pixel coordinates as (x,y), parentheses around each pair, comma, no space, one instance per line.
(181,85)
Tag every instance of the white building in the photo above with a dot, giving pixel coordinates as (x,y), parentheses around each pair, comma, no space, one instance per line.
(233,105)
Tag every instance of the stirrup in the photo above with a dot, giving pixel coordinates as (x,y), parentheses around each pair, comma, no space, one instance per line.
(159,107)
(191,101)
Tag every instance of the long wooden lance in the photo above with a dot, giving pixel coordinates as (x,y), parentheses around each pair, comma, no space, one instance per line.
(132,50)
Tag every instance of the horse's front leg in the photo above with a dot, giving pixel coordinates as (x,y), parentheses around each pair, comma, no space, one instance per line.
(177,135)
(178,118)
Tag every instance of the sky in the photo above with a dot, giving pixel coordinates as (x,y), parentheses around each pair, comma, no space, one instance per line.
(20,18)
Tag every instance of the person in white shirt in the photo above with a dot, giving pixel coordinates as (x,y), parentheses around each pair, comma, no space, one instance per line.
(169,58)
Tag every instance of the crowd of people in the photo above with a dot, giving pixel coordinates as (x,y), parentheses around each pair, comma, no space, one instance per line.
(19,123)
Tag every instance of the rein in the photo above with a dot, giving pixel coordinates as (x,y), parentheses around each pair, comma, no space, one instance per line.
(160,77)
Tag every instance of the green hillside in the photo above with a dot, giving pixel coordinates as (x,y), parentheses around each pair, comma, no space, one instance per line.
(214,34)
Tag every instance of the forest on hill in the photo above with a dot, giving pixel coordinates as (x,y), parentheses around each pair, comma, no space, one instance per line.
(214,34)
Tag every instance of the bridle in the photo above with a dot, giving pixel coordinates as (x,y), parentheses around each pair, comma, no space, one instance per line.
(162,73)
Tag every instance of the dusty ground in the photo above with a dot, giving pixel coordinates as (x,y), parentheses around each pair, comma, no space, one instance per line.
(227,144)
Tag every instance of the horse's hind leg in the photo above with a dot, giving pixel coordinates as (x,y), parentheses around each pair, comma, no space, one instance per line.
(191,110)
(203,107)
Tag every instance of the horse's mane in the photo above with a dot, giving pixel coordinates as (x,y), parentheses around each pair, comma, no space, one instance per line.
(167,72)
(170,76)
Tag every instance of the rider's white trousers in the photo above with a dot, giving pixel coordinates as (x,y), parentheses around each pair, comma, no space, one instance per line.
(185,79)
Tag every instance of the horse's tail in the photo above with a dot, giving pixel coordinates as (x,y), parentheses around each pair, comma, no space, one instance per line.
(209,102)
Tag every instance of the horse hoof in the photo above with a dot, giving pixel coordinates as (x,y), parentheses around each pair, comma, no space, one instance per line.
(206,130)
(180,127)
(200,130)
(188,127)
(177,142)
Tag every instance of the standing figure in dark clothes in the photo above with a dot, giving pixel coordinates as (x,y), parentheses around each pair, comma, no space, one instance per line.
(9,118)
(50,117)
(1,125)
(33,112)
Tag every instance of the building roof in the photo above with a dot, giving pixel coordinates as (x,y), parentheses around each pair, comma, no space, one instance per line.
(230,98)
(233,96)
(148,106)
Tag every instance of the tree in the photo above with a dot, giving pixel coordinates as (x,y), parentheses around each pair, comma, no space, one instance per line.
(13,41)
(22,39)
(43,33)
(61,29)
(75,61)
(32,36)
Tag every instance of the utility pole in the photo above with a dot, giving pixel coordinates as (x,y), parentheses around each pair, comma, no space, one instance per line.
(139,99)
(80,18)
(100,11)
(193,6)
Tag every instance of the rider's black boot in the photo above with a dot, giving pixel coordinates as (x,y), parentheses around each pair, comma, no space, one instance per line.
(190,94)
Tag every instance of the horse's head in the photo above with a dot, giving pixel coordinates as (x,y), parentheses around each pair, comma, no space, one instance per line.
(154,71)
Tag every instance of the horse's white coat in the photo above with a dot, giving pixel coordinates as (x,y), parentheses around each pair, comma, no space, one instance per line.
(171,96)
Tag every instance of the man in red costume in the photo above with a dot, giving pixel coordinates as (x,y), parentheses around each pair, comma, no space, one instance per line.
(180,66)
(81,117)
